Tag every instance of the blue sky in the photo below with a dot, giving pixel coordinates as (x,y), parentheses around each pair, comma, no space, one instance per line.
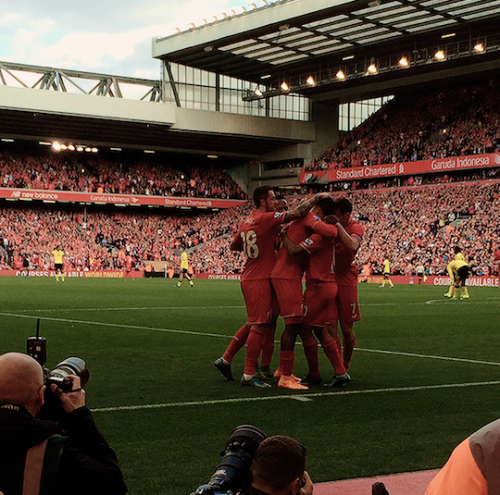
(106,36)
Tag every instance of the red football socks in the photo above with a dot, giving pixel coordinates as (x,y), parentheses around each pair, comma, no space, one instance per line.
(348,350)
(332,351)
(254,346)
(239,340)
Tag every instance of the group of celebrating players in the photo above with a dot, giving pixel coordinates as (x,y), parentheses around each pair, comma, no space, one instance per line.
(318,239)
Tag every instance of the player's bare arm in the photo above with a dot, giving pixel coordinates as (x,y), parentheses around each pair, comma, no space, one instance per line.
(292,248)
(236,244)
(349,242)
(303,208)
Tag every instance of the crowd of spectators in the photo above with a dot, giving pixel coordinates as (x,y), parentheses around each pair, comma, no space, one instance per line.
(411,220)
(454,121)
(410,226)
(100,239)
(82,173)
(421,226)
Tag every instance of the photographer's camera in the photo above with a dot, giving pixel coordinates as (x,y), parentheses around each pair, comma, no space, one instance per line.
(233,472)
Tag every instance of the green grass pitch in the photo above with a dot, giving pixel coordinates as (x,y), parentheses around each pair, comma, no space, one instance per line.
(426,374)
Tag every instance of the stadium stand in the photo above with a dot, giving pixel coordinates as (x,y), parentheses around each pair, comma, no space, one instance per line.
(414,225)
(462,120)
(79,173)
(416,219)
(99,239)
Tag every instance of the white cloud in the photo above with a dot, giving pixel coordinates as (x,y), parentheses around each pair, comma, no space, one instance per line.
(112,36)
(90,49)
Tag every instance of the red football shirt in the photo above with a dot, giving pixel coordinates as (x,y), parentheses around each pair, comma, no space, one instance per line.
(291,267)
(346,271)
(257,235)
(321,267)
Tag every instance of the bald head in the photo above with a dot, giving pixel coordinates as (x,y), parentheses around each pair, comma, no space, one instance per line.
(21,379)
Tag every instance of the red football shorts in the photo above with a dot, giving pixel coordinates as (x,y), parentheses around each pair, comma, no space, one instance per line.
(258,295)
(319,304)
(289,296)
(347,303)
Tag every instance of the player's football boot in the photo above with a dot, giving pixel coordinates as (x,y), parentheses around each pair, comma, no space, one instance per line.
(279,373)
(290,382)
(267,372)
(254,382)
(225,369)
(339,381)
(310,381)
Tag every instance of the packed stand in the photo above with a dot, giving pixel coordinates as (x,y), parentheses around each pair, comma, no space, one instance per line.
(100,240)
(411,226)
(51,171)
(456,121)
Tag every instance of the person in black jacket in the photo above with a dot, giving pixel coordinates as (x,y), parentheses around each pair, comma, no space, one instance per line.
(44,457)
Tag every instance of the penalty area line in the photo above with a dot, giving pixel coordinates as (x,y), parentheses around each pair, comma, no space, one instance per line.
(298,397)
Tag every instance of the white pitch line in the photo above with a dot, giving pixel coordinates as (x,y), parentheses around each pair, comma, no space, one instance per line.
(157,308)
(298,397)
(115,325)
(176,308)
(468,302)
(219,336)
(428,356)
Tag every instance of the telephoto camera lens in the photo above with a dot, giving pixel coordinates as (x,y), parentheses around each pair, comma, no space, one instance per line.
(70,366)
(233,472)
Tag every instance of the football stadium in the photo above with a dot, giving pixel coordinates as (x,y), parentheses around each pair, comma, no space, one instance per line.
(122,201)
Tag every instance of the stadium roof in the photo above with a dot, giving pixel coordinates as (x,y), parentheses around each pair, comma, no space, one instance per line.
(290,40)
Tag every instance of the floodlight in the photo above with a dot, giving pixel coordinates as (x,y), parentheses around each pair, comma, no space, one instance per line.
(479,47)
(440,55)
(404,62)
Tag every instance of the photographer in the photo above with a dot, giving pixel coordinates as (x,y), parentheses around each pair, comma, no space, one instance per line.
(278,468)
(43,457)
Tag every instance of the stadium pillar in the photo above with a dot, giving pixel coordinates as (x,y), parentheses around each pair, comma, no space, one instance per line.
(325,115)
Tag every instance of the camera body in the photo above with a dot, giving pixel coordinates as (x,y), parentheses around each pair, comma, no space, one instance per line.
(60,374)
(36,347)
(233,472)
